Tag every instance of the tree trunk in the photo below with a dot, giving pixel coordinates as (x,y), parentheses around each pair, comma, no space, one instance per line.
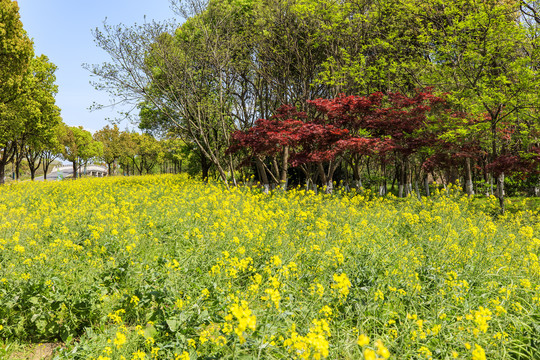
(308,183)
(47,159)
(442,179)
(329,186)
(500,191)
(231,167)
(18,160)
(417,188)
(324,179)
(275,167)
(356,174)
(2,172)
(426,185)
(262,173)
(74,169)
(402,180)
(284,168)
(33,168)
(398,177)
(205,166)
(407,175)
(382,187)
(332,167)
(468,182)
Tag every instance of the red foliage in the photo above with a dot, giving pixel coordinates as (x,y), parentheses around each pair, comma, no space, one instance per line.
(375,124)
(395,120)
(308,141)
(268,137)
(528,163)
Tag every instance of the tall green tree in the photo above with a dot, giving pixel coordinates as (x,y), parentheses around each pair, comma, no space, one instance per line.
(78,147)
(52,148)
(40,126)
(367,45)
(16,52)
(148,152)
(110,138)
(477,55)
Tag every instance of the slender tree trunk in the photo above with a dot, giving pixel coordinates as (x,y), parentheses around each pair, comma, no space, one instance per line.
(332,167)
(31,158)
(231,167)
(382,187)
(47,159)
(74,169)
(284,168)
(426,185)
(395,178)
(401,176)
(275,167)
(18,160)
(417,188)
(500,191)
(308,183)
(306,172)
(2,172)
(468,182)
(324,179)
(262,172)
(205,166)
(442,179)
(35,168)
(356,174)
(408,178)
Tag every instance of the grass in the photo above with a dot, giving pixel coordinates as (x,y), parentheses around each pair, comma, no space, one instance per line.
(170,268)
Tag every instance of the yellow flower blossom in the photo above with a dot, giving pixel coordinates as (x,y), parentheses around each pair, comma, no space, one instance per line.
(119,340)
(363,340)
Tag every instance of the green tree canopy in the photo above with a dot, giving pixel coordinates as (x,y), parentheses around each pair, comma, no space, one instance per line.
(16,52)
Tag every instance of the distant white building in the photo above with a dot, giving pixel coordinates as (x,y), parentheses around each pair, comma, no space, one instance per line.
(89,170)
(96,170)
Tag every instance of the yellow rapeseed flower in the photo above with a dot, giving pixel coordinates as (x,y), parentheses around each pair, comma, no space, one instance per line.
(363,340)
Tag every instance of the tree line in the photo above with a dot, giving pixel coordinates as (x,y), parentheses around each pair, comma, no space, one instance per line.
(31,128)
(233,63)
(28,113)
(122,152)
(360,91)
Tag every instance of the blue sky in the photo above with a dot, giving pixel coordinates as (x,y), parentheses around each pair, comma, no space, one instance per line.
(61,29)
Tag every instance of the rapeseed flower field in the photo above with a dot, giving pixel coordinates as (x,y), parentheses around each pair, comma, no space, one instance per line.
(166,267)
